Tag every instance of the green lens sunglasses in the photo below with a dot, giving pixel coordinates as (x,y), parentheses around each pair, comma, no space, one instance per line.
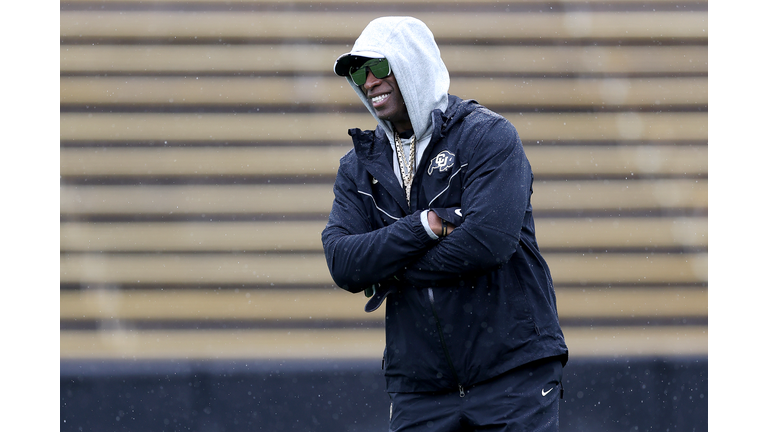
(379,68)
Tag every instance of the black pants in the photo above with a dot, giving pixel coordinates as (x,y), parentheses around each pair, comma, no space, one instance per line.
(526,398)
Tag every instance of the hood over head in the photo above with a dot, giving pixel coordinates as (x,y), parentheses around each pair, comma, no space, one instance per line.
(414,57)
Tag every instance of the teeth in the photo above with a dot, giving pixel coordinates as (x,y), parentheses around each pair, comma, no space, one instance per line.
(378,99)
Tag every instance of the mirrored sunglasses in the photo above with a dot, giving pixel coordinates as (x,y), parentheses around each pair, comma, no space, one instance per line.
(379,68)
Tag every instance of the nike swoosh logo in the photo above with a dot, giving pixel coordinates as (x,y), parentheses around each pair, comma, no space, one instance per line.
(458,212)
(544,393)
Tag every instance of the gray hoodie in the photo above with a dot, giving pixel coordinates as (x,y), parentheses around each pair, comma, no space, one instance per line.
(414,57)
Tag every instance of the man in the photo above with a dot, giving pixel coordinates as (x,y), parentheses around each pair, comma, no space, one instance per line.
(432,213)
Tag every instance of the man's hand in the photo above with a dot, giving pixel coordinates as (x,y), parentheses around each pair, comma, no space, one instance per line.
(436,224)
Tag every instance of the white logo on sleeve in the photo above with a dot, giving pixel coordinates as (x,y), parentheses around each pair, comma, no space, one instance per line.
(544,393)
(458,212)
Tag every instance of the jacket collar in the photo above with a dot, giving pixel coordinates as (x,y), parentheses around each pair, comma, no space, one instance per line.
(374,151)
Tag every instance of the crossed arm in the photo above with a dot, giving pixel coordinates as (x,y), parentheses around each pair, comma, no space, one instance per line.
(436,224)
(496,195)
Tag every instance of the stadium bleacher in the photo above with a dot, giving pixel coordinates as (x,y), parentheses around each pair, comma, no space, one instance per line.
(200,141)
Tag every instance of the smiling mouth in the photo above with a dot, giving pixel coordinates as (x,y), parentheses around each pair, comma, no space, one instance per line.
(379,99)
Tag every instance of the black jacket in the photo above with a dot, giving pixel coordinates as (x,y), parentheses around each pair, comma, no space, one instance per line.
(472,305)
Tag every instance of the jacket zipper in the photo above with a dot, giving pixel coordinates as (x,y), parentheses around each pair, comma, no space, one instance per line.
(442,341)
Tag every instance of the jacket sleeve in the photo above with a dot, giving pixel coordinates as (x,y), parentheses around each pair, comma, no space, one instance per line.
(496,195)
(358,255)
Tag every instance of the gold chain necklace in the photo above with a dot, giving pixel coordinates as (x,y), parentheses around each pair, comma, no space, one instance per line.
(407,180)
